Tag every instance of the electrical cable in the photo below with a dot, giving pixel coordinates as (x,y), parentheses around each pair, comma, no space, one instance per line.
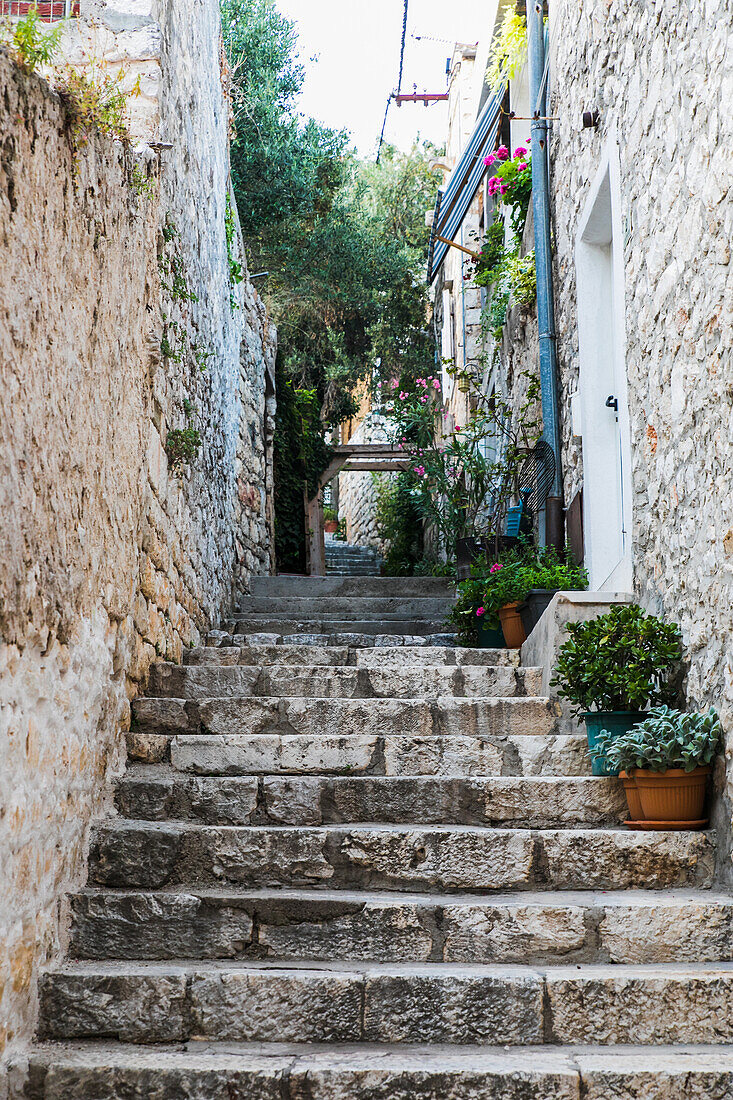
(399,79)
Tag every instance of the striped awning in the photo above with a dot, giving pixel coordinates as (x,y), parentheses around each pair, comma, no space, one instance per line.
(452,203)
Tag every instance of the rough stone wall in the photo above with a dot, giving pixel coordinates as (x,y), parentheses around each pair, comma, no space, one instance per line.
(358,493)
(664,83)
(110,557)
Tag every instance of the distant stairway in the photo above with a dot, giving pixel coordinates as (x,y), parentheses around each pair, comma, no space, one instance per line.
(344,560)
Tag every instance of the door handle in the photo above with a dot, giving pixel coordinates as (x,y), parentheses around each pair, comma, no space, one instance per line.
(612,403)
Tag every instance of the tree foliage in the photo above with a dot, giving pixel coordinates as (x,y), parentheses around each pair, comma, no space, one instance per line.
(344,243)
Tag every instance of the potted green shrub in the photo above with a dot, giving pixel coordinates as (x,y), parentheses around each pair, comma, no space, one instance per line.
(330,521)
(613,668)
(549,573)
(667,757)
(530,576)
(471,627)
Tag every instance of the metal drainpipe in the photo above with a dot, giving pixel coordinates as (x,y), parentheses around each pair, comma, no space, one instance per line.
(554,520)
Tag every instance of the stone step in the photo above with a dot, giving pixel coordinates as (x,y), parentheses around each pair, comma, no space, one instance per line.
(341,607)
(571,927)
(521,716)
(325,656)
(307,681)
(354,642)
(210,1071)
(331,625)
(539,802)
(256,1001)
(456,858)
(313,754)
(336,586)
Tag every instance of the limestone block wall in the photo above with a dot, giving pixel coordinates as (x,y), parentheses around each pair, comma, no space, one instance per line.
(357,492)
(110,555)
(662,83)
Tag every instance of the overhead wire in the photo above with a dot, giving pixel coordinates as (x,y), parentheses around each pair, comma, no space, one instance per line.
(391,95)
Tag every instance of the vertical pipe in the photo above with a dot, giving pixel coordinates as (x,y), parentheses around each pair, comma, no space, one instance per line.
(542,247)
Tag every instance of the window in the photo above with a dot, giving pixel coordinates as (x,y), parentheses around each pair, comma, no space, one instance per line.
(48,10)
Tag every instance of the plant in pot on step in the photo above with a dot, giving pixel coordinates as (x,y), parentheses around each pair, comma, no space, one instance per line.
(612,668)
(665,760)
(330,521)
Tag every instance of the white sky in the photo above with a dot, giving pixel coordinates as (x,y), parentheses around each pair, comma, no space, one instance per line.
(356,44)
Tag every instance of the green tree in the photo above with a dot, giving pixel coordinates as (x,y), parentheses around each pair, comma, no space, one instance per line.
(344,243)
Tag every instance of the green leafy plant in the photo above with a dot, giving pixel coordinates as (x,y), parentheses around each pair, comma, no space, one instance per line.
(236,270)
(182,445)
(330,515)
(508,50)
(169,229)
(523,279)
(622,661)
(667,738)
(142,184)
(173,278)
(398,519)
(95,101)
(28,41)
(169,350)
(511,183)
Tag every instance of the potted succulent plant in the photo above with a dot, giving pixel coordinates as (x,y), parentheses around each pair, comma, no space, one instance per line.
(330,521)
(667,758)
(615,666)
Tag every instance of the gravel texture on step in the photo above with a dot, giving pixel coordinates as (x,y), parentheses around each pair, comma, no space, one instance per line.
(545,801)
(452,858)
(230,1071)
(574,927)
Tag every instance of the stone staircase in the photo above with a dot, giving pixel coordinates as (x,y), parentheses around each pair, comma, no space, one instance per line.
(378,871)
(346,560)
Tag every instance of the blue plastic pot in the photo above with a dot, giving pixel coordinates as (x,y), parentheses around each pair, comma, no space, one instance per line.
(615,722)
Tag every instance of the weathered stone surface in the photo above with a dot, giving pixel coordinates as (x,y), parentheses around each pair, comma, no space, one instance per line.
(647,1004)
(527,803)
(669,929)
(589,859)
(707,1075)
(435,655)
(282,1005)
(212,801)
(268,754)
(129,1005)
(513,933)
(163,716)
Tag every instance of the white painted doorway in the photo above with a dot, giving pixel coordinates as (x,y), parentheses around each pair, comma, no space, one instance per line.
(605,431)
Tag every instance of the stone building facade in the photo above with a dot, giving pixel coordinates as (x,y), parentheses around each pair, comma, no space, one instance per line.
(115,548)
(642,220)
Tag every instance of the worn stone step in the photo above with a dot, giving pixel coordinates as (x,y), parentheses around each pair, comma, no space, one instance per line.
(327,656)
(571,927)
(251,1001)
(543,801)
(307,681)
(522,716)
(226,1071)
(284,585)
(341,607)
(314,754)
(322,624)
(222,638)
(448,857)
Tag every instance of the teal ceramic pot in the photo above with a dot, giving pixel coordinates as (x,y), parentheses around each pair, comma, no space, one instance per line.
(616,722)
(490,639)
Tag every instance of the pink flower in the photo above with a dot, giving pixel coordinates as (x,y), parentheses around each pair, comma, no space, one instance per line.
(522,167)
(457,429)
(404,439)
(496,567)
(379,385)
(493,185)
(423,400)
(436,384)
(520,151)
(502,152)
(394,384)
(403,395)
(503,189)
(420,471)
(489,160)
(480,610)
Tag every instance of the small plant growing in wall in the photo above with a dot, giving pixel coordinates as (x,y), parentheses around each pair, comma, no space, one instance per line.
(28,42)
(182,445)
(143,186)
(236,270)
(96,101)
(170,348)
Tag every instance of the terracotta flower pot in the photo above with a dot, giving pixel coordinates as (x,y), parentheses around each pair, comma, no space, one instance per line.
(511,624)
(674,795)
(331,526)
(632,797)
